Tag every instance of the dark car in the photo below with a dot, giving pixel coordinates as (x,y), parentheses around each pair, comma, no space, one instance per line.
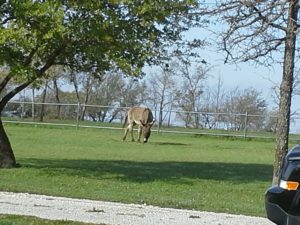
(282,202)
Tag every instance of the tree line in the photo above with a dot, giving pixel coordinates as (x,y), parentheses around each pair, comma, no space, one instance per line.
(178,86)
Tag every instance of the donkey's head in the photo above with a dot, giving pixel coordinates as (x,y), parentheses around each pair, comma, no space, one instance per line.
(146,128)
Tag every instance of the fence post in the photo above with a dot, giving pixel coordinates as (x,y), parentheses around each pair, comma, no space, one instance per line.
(246,123)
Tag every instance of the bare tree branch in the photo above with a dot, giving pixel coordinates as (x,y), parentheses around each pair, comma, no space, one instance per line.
(253,29)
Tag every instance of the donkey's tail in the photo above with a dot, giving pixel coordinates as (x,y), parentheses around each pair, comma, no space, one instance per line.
(125,121)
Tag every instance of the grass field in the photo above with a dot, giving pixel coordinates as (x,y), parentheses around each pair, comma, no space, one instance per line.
(180,171)
(21,220)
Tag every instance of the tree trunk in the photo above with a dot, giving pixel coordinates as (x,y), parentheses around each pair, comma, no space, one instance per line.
(114,115)
(170,114)
(74,80)
(103,116)
(7,157)
(160,120)
(33,104)
(42,112)
(286,88)
(56,89)
(87,96)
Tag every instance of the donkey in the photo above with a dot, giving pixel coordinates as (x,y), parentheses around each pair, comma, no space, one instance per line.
(141,116)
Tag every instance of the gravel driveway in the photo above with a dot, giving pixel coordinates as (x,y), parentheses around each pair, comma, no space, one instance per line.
(58,208)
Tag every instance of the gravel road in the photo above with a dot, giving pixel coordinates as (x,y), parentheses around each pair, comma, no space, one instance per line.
(59,208)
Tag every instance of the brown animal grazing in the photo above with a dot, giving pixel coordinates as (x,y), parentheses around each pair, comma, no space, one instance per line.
(141,116)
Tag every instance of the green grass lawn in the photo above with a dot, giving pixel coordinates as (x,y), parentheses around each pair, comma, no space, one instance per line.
(172,170)
(27,220)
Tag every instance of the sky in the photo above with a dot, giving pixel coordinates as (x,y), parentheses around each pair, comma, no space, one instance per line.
(245,75)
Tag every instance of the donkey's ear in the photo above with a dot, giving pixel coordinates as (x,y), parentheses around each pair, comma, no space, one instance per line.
(152,123)
(143,124)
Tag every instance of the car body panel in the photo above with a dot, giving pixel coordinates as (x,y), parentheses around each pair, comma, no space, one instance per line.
(282,205)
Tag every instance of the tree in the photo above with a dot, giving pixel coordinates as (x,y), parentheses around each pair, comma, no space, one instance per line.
(248,101)
(82,81)
(44,94)
(84,36)
(258,31)
(271,121)
(162,87)
(55,77)
(106,92)
(57,98)
(133,93)
(189,96)
(213,98)
(51,74)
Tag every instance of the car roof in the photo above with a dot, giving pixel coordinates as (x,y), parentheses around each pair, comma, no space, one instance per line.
(294,154)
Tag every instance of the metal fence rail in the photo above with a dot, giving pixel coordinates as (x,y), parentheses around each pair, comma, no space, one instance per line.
(241,125)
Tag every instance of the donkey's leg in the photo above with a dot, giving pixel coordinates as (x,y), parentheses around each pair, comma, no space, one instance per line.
(131,131)
(125,134)
(128,128)
(139,133)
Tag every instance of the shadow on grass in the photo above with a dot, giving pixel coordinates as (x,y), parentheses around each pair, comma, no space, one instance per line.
(149,171)
(169,143)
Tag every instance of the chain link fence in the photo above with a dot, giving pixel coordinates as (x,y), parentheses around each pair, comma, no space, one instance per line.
(78,115)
